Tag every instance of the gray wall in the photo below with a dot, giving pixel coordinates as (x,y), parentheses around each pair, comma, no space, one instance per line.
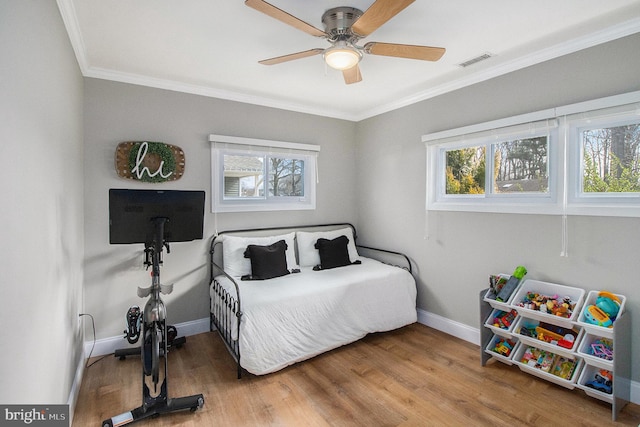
(116,112)
(464,248)
(41,183)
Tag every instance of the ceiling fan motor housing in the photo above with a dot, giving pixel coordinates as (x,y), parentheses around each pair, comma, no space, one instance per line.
(338,21)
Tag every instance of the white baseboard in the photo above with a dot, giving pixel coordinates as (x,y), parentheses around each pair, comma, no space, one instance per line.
(109,345)
(448,326)
(75,389)
(472,335)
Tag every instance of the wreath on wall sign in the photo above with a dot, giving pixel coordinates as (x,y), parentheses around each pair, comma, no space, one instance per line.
(158,153)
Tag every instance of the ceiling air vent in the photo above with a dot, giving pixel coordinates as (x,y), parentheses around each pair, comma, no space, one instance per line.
(475,60)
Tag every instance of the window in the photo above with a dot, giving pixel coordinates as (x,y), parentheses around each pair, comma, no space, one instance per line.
(516,166)
(521,166)
(610,159)
(579,159)
(244,176)
(502,170)
(259,175)
(465,170)
(604,148)
(610,162)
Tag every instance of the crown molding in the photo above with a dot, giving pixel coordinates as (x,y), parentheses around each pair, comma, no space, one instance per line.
(172,85)
(506,66)
(615,32)
(69,18)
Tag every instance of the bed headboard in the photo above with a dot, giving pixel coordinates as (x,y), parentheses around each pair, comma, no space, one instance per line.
(397,259)
(215,250)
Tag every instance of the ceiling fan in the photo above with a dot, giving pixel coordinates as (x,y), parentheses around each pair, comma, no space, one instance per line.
(344,27)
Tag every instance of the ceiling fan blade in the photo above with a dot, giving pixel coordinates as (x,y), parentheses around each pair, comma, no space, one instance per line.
(425,53)
(352,75)
(291,57)
(281,15)
(378,13)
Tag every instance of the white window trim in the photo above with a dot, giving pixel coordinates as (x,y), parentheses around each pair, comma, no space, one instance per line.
(563,161)
(490,201)
(602,204)
(221,144)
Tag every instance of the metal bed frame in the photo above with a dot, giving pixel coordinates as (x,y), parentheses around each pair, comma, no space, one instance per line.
(227,312)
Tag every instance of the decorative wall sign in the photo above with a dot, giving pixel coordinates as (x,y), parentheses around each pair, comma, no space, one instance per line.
(149,161)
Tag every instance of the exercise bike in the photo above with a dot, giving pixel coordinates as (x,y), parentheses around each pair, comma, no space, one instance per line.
(154,347)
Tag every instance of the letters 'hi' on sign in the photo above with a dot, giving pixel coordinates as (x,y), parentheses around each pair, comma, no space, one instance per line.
(149,161)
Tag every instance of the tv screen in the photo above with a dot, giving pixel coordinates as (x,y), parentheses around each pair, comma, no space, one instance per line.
(131,215)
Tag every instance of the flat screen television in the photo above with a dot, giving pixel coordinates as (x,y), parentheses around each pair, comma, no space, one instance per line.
(132,214)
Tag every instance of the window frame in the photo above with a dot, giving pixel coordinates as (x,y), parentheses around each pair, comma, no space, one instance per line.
(491,201)
(564,161)
(602,204)
(222,145)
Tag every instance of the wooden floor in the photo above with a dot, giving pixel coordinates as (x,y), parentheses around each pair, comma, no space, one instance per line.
(414,376)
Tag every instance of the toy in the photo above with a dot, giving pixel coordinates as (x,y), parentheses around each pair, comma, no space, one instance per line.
(551,304)
(595,316)
(608,303)
(604,311)
(504,319)
(545,361)
(540,359)
(564,367)
(602,348)
(511,284)
(603,381)
(496,282)
(528,327)
(504,346)
(555,335)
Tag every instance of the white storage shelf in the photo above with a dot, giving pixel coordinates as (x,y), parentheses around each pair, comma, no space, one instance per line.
(588,375)
(576,295)
(594,329)
(496,313)
(535,342)
(490,297)
(587,364)
(546,373)
(590,355)
(510,348)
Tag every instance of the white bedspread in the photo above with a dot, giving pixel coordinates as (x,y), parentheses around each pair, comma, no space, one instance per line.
(295,317)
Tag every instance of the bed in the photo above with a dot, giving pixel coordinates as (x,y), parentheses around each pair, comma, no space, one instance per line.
(329,296)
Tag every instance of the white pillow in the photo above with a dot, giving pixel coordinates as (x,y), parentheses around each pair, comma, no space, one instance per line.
(233,247)
(309,256)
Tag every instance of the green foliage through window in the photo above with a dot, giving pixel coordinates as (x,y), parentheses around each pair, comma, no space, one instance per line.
(466,170)
(521,165)
(611,159)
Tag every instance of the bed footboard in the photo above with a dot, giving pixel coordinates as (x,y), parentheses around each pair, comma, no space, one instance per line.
(225,313)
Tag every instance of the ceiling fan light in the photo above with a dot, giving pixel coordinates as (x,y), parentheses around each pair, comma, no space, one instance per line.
(342,58)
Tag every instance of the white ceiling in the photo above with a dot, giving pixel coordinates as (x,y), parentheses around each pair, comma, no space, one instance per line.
(212,47)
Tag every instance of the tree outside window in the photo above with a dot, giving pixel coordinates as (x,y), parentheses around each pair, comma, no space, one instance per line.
(286,177)
(519,165)
(611,159)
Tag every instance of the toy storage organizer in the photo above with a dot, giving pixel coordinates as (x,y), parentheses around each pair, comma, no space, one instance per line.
(571,364)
